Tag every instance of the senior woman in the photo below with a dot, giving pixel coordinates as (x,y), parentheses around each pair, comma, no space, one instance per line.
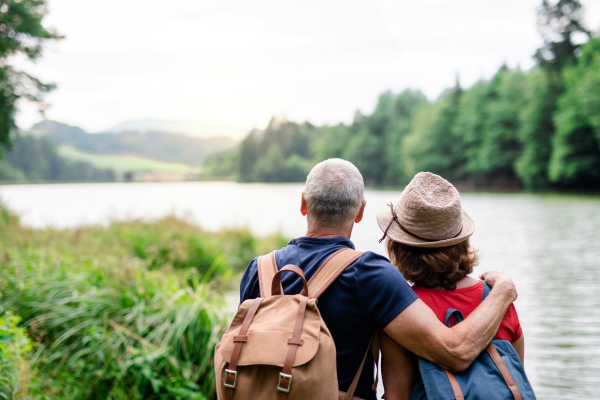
(428,241)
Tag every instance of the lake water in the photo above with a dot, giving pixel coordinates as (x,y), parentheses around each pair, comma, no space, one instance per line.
(549,244)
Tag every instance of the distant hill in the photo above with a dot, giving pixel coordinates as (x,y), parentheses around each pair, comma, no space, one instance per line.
(35,159)
(159,145)
(190,128)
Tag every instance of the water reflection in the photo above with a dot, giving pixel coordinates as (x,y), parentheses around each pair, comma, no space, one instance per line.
(548,243)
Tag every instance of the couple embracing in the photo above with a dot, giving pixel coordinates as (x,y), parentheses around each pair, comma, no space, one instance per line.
(427,236)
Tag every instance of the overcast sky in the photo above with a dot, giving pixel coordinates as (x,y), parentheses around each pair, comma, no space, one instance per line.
(238,62)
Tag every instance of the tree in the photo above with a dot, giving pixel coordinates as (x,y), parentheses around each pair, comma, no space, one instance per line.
(500,145)
(405,110)
(575,160)
(367,145)
(36,159)
(470,124)
(559,23)
(330,142)
(434,144)
(536,129)
(374,142)
(249,155)
(21,32)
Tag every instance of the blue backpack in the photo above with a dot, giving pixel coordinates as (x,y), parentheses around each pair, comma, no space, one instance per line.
(497,373)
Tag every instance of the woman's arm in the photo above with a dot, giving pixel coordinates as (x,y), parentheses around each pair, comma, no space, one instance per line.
(398,369)
(519,346)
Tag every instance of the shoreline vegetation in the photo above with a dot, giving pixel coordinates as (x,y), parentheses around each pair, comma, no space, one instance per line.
(132,310)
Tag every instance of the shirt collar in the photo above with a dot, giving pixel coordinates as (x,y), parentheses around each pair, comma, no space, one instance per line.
(342,240)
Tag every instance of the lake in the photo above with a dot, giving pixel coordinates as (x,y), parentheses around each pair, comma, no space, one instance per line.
(549,244)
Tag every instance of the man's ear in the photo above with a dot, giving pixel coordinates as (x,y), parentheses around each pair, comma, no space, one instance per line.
(303,206)
(359,217)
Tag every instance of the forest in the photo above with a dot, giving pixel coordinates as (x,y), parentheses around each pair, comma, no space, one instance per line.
(532,130)
(36,159)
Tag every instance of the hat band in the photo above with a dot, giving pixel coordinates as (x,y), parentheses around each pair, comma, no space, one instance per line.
(395,218)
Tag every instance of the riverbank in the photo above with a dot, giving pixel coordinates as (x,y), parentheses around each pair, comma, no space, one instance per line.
(131,310)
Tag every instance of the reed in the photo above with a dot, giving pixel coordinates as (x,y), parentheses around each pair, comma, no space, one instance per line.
(128,311)
(15,345)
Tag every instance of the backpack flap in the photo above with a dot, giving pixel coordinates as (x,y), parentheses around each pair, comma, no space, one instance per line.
(271,328)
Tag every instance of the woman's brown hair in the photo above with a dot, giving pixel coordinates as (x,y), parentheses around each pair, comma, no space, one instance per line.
(439,267)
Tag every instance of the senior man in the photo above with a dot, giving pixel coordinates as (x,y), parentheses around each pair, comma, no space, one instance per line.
(371,293)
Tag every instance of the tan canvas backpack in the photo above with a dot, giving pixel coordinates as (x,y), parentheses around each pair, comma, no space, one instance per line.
(278,346)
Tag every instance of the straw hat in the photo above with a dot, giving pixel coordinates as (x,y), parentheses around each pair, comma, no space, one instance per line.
(427,214)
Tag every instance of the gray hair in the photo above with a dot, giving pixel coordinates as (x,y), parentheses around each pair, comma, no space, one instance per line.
(334,192)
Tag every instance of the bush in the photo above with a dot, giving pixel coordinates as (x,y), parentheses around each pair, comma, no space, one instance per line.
(128,311)
(15,345)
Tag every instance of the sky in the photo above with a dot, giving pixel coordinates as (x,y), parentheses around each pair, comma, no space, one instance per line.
(240,62)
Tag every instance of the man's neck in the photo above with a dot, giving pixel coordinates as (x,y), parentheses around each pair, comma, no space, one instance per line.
(326,232)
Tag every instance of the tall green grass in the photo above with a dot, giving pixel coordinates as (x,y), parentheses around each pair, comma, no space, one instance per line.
(128,311)
(15,346)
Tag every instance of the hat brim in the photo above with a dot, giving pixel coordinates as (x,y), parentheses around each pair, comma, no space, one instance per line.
(384,216)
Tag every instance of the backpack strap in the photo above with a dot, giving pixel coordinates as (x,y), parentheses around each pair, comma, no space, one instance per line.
(506,375)
(239,340)
(374,347)
(267,268)
(330,270)
(493,353)
(327,273)
(456,390)
(486,290)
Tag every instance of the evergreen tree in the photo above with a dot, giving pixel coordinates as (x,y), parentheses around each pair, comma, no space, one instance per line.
(367,145)
(470,124)
(575,160)
(405,110)
(559,23)
(249,155)
(21,32)
(536,129)
(500,145)
(434,144)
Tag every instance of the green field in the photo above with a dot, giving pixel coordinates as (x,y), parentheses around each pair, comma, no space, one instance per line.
(122,163)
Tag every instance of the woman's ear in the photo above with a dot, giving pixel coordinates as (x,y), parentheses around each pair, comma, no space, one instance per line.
(303,206)
(359,217)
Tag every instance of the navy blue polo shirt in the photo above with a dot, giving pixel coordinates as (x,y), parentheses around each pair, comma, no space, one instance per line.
(369,294)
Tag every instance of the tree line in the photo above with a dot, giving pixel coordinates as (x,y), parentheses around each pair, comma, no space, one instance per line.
(36,159)
(537,129)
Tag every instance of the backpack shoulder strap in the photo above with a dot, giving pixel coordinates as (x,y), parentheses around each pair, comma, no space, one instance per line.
(267,268)
(330,270)
(486,290)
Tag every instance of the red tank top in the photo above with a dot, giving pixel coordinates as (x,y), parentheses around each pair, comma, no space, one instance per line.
(466,300)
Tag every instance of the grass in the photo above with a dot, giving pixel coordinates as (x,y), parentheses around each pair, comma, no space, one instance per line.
(128,311)
(122,163)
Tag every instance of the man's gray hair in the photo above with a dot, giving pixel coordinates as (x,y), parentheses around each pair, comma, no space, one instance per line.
(334,192)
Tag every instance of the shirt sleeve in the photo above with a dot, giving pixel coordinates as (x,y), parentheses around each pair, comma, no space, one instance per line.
(382,290)
(249,286)
(517,330)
